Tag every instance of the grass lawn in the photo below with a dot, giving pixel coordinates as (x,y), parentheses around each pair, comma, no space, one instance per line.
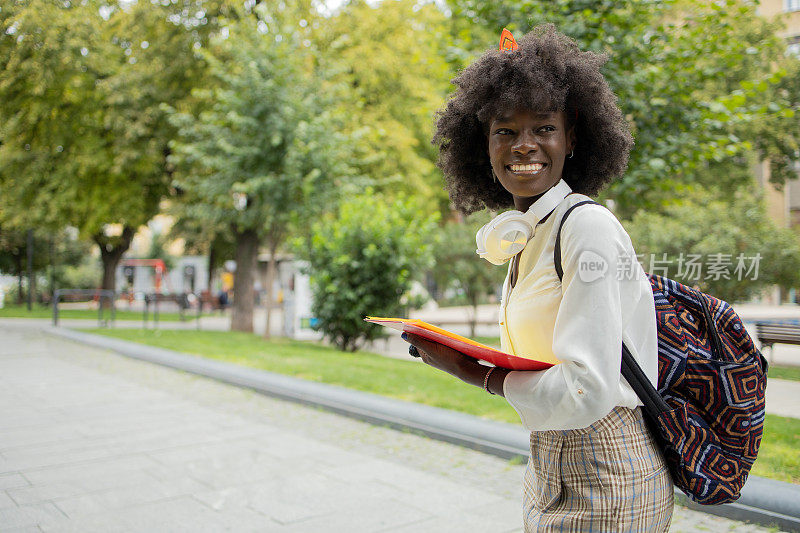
(46,311)
(778,456)
(489,341)
(407,380)
(784,372)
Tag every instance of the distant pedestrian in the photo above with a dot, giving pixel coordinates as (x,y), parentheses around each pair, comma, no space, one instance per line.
(537,127)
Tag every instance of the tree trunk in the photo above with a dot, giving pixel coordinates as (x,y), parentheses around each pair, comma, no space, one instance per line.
(271,270)
(111,250)
(243,294)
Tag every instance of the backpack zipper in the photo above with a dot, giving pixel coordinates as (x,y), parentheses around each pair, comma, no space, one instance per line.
(713,334)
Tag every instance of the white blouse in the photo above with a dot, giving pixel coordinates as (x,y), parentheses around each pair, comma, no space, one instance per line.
(605,298)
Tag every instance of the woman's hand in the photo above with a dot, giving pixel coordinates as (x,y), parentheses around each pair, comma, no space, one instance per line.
(442,357)
(464,367)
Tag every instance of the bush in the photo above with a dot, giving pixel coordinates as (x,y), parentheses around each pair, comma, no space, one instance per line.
(85,275)
(717,232)
(363,261)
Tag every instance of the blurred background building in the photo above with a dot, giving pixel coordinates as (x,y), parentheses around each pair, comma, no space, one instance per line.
(783,203)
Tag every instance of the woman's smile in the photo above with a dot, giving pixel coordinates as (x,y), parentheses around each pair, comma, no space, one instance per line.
(527,169)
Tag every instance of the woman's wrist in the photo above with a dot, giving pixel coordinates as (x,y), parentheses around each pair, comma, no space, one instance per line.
(496,380)
(474,373)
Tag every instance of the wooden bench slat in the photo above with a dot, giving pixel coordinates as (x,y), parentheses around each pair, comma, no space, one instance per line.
(770,333)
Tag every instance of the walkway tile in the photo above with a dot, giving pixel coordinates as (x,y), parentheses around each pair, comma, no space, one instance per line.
(100,443)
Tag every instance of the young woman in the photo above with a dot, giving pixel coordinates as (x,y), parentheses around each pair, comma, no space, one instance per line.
(538,129)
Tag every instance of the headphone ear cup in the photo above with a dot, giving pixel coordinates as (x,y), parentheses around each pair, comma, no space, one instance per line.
(483,233)
(504,237)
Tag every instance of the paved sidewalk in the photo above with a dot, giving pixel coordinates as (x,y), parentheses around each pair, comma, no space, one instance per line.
(98,442)
(783,397)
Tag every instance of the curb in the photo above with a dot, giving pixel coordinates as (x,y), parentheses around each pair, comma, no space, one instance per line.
(766,502)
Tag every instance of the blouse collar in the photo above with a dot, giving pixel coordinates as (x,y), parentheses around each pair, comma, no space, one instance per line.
(549,201)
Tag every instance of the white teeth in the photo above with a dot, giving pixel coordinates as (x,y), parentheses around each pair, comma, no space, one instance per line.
(535,167)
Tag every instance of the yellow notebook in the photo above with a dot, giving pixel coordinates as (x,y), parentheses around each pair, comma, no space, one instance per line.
(462,344)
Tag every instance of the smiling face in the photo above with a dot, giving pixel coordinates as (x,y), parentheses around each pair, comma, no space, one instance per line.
(527,151)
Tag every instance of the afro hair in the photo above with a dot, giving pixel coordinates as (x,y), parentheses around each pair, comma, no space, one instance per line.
(546,73)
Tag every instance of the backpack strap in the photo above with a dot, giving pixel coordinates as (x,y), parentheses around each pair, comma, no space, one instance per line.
(557,251)
(654,404)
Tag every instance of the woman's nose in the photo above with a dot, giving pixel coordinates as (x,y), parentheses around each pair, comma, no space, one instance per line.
(525,143)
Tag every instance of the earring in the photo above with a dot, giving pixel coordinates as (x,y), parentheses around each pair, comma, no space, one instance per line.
(571,154)
(494,176)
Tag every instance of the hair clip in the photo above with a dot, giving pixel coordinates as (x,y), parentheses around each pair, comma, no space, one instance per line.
(507,41)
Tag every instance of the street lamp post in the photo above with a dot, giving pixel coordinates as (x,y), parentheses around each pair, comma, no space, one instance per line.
(30,269)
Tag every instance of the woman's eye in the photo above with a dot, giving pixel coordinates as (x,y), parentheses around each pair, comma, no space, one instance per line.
(547,129)
(503,131)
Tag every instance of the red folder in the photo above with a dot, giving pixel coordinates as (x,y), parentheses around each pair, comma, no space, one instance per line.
(462,344)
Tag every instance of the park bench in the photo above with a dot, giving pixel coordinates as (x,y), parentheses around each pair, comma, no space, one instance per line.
(210,301)
(104,298)
(155,298)
(770,333)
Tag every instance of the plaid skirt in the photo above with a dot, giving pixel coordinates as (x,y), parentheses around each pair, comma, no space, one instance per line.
(606,477)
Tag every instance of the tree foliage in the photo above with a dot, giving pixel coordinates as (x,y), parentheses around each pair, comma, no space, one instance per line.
(387,61)
(738,249)
(106,107)
(362,261)
(258,136)
(458,267)
(60,261)
(84,137)
(703,84)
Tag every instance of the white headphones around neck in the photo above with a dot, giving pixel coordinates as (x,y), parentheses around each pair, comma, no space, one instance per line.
(507,234)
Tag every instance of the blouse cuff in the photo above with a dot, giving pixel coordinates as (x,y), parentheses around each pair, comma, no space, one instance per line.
(517,389)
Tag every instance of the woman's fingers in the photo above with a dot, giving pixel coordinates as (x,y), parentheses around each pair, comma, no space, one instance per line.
(446,359)
(428,348)
(424,345)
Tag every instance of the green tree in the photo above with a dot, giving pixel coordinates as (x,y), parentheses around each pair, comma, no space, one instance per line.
(702,83)
(362,261)
(84,137)
(58,260)
(14,256)
(387,61)
(768,255)
(74,266)
(259,153)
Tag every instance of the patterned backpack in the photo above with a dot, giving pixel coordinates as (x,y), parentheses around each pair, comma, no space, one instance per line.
(707,415)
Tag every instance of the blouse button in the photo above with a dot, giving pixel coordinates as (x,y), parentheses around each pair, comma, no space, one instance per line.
(580,391)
